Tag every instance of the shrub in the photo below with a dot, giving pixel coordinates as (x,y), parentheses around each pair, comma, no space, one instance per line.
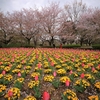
(96,46)
(72,46)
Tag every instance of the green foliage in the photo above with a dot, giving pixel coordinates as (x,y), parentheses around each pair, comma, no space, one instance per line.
(18,84)
(64,97)
(64,46)
(47,46)
(32,46)
(96,46)
(11,45)
(4,81)
(56,83)
(23,74)
(18,45)
(1,93)
(71,46)
(37,92)
(71,77)
(79,88)
(97,74)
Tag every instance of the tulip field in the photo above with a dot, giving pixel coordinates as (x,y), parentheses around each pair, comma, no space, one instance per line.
(49,74)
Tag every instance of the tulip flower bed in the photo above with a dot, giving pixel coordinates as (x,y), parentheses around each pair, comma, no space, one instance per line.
(49,74)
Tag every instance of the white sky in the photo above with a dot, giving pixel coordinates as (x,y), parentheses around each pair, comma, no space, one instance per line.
(12,5)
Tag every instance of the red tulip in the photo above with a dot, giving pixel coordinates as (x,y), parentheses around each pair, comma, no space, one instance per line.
(36,56)
(99,65)
(82,75)
(67,83)
(96,57)
(46,96)
(3,72)
(36,78)
(23,61)
(19,74)
(52,64)
(0,63)
(49,59)
(10,93)
(54,74)
(39,65)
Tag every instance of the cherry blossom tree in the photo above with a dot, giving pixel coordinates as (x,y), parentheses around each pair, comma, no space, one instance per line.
(96,20)
(87,28)
(67,32)
(50,20)
(75,10)
(19,25)
(70,18)
(27,24)
(75,22)
(7,28)
(31,25)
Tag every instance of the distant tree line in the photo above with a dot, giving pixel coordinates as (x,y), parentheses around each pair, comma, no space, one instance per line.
(75,23)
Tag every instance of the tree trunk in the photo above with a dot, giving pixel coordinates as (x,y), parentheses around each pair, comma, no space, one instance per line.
(81,41)
(28,41)
(35,43)
(52,40)
(49,43)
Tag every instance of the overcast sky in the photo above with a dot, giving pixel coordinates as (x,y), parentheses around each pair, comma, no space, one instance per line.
(12,5)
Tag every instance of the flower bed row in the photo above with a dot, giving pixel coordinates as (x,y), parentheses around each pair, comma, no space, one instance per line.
(49,74)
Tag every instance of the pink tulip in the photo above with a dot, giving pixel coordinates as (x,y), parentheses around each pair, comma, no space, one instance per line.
(57,56)
(19,74)
(54,74)
(10,65)
(71,72)
(73,60)
(23,61)
(36,78)
(13,60)
(3,72)
(93,69)
(28,54)
(82,75)
(64,60)
(67,83)
(46,96)
(10,93)
(83,64)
